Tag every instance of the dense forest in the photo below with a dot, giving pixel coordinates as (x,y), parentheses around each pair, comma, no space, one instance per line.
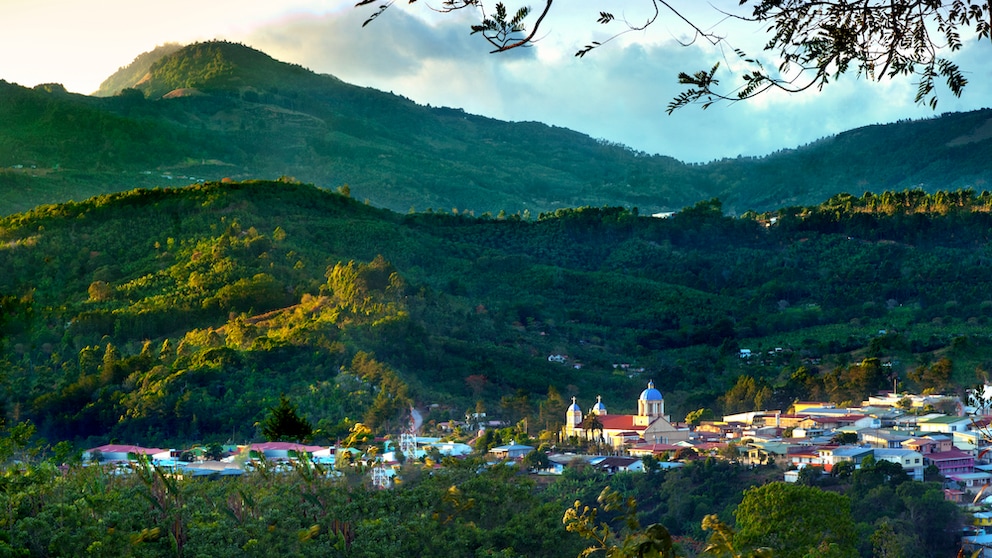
(182,314)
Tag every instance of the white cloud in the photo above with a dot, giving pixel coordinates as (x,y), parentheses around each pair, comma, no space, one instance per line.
(618,92)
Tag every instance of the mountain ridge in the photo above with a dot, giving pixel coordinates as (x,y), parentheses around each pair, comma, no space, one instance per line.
(262,118)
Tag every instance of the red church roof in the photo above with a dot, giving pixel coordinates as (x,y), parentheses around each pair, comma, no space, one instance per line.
(620,422)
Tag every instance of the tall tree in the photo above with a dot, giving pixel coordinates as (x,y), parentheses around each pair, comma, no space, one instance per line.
(284,424)
(794,520)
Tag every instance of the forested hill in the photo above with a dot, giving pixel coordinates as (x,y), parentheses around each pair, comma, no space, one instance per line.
(213,110)
(167,314)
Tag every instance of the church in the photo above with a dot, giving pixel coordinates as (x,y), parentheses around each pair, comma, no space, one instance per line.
(649,425)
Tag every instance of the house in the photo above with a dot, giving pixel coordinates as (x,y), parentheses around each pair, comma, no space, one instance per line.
(453,449)
(804,456)
(210,469)
(972,482)
(911,461)
(764,433)
(982,519)
(755,418)
(944,424)
(894,399)
(831,456)
(833,422)
(954,495)
(930,444)
(814,432)
(759,453)
(657,450)
(649,425)
(800,407)
(618,464)
(883,438)
(512,451)
(120,453)
(950,462)
(559,461)
(791,420)
(275,451)
(974,443)
(718,429)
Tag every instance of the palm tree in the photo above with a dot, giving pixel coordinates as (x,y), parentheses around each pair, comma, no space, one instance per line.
(592,423)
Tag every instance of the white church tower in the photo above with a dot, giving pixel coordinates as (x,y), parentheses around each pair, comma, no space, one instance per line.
(650,406)
(573,417)
(599,409)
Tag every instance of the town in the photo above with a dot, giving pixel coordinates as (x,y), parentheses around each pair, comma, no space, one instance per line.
(806,442)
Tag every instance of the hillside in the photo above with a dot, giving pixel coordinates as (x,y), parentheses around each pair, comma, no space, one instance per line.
(213,110)
(134,72)
(162,314)
(234,112)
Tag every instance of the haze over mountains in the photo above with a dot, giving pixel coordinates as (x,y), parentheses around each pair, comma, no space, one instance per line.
(213,110)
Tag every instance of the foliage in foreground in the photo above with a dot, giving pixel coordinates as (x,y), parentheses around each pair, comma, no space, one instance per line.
(457,511)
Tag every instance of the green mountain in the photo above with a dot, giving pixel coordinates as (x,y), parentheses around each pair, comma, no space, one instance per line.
(213,110)
(945,152)
(184,313)
(136,71)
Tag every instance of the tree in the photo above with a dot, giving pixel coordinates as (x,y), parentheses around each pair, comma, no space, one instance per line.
(810,475)
(699,415)
(934,377)
(747,394)
(284,424)
(810,43)
(794,520)
(844,438)
(100,291)
(536,460)
(887,543)
(630,540)
(591,423)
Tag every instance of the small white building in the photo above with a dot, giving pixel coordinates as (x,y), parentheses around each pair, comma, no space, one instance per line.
(512,451)
(911,461)
(120,453)
(944,424)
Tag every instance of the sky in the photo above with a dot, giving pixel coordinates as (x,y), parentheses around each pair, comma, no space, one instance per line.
(618,92)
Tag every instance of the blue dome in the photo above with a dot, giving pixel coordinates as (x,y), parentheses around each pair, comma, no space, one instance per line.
(651,394)
(599,407)
(574,407)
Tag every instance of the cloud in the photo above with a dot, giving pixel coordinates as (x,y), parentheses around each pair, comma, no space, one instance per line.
(618,92)
(396,45)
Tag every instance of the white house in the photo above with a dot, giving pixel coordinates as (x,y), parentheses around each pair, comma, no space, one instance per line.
(511,451)
(119,453)
(944,424)
(911,461)
(618,464)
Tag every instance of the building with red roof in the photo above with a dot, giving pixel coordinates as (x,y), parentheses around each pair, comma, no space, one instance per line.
(649,425)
